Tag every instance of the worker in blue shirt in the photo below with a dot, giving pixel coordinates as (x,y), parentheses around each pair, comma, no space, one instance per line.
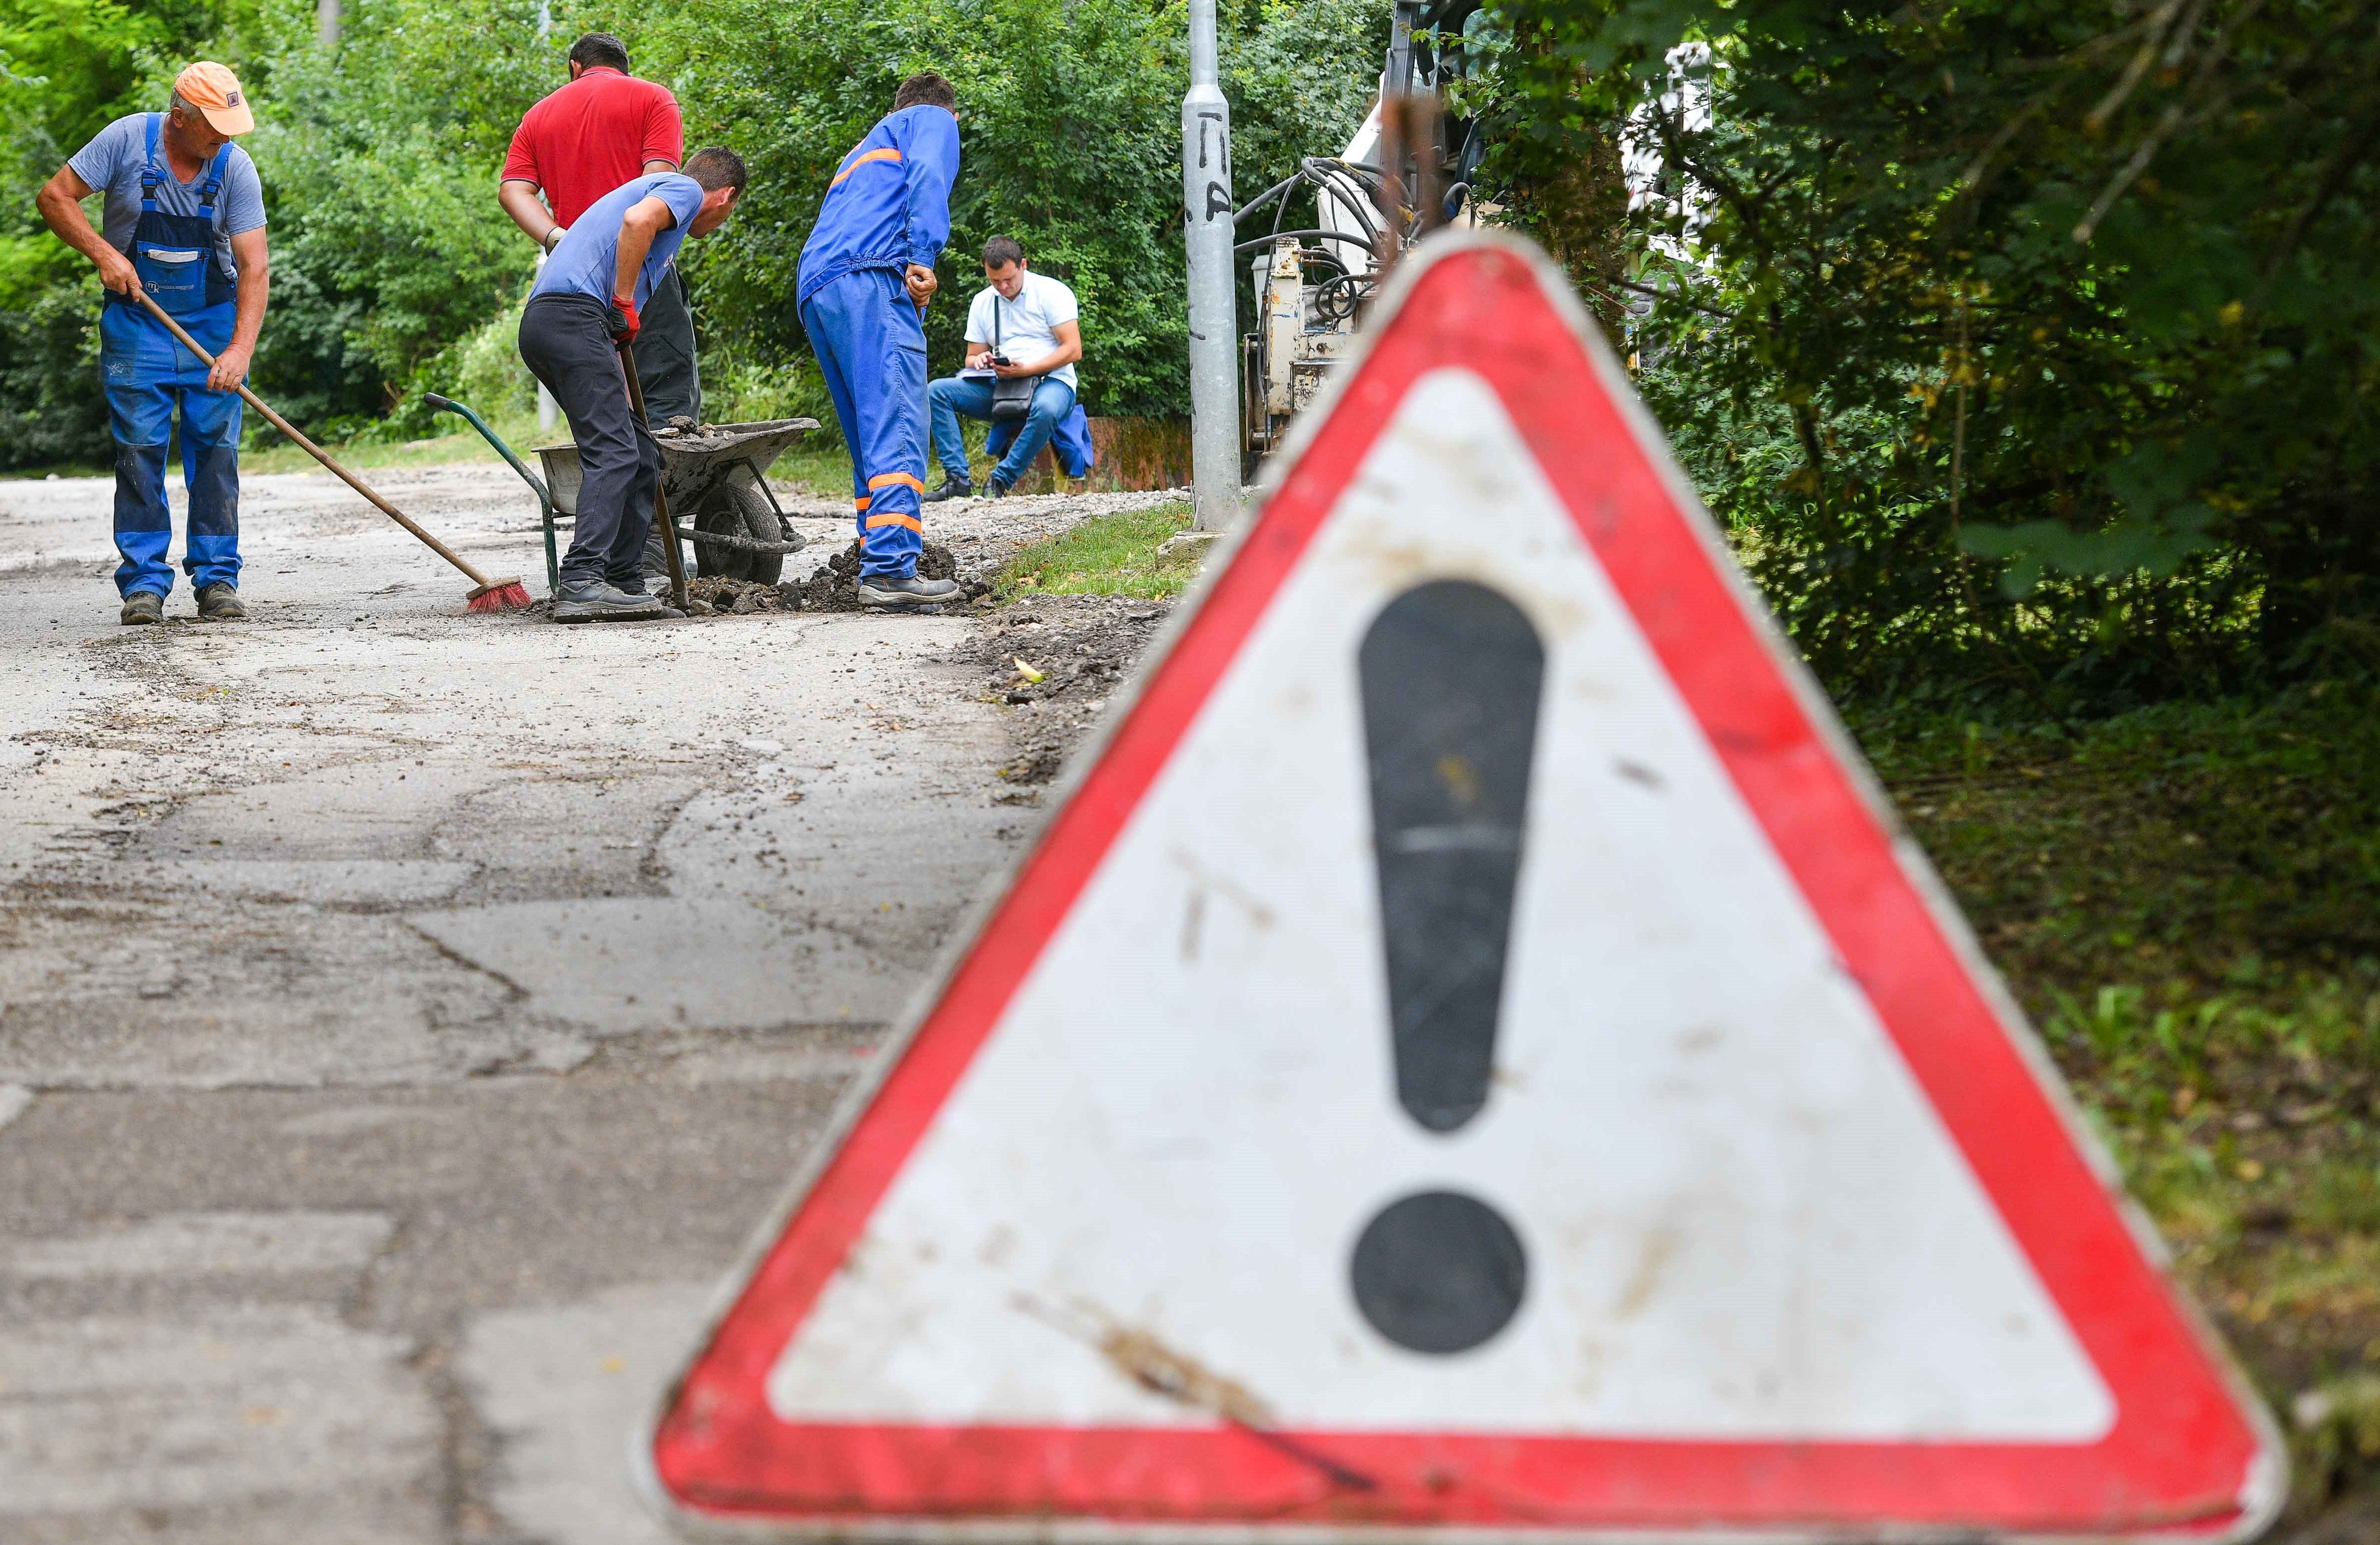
(867,273)
(581,315)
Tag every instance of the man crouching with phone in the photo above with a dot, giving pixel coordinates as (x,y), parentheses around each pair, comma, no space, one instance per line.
(1023,327)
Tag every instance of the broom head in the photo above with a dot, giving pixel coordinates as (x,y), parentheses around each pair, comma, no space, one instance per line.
(499,595)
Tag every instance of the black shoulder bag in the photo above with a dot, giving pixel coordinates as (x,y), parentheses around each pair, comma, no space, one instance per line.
(1012,396)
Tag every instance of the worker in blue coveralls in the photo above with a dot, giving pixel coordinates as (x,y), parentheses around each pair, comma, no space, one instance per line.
(183,223)
(867,273)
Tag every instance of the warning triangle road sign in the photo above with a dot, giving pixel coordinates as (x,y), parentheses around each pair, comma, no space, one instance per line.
(1471,1053)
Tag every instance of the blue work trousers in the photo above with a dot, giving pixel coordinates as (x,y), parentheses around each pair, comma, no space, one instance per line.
(949,397)
(872,352)
(147,375)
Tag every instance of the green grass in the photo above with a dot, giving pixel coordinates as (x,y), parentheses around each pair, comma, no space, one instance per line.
(2187,899)
(823,473)
(1111,554)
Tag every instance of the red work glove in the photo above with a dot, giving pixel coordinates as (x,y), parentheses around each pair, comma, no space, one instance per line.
(623,320)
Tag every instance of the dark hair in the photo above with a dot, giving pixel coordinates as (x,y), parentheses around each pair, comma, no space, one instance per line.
(1001,250)
(926,90)
(716,167)
(600,51)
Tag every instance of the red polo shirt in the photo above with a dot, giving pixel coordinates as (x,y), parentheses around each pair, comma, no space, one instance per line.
(593,135)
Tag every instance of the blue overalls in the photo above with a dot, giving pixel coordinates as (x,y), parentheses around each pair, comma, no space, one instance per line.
(888,207)
(145,372)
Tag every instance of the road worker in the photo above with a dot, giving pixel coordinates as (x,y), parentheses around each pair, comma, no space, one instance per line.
(183,223)
(580,143)
(581,311)
(867,273)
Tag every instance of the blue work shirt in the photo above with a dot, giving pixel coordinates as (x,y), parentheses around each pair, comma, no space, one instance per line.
(587,259)
(890,203)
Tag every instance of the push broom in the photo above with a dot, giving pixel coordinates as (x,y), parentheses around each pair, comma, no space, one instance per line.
(491,595)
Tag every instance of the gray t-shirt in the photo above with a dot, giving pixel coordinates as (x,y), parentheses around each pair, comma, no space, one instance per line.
(110,163)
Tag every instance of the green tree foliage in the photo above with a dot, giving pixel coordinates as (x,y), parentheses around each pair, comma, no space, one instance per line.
(1070,132)
(2028,339)
(380,156)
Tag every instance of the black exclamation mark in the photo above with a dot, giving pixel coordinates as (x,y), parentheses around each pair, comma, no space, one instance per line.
(1452,673)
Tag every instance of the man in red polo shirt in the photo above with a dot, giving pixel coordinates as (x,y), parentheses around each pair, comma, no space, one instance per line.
(600,132)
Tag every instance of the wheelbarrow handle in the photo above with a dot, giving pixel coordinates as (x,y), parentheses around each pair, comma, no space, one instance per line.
(448,404)
(537,485)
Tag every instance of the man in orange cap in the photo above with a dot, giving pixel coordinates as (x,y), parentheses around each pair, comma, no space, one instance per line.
(183,223)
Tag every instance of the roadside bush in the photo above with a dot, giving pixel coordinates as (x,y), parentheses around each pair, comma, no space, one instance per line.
(485,370)
(52,411)
(2031,348)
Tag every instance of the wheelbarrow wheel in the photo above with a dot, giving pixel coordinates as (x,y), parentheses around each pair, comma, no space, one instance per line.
(738,510)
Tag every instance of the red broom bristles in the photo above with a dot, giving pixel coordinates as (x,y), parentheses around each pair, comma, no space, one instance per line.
(511,596)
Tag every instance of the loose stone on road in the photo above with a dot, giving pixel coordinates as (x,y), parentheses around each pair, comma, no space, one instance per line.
(407,1016)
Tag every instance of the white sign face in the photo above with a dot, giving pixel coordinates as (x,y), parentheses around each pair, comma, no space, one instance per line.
(1740,1216)
(1470,1055)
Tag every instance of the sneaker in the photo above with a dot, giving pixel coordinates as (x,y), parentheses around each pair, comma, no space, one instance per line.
(144,608)
(907,593)
(951,487)
(220,603)
(593,601)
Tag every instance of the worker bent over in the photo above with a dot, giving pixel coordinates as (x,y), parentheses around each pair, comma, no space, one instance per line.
(581,316)
(867,272)
(183,225)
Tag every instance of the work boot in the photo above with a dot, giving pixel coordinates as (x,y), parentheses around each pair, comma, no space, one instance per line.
(907,593)
(144,608)
(593,601)
(994,488)
(951,487)
(220,603)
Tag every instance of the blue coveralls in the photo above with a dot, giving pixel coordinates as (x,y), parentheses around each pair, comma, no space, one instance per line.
(888,207)
(145,372)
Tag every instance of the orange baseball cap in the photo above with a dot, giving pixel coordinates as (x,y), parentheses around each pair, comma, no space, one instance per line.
(214,91)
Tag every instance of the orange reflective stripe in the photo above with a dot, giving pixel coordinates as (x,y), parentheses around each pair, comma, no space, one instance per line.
(886,480)
(909,520)
(887,154)
(862,504)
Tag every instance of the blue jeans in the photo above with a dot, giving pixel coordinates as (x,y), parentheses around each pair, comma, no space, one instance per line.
(950,396)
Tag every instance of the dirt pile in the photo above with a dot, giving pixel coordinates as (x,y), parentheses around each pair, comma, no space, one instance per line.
(1083,648)
(726,597)
(835,587)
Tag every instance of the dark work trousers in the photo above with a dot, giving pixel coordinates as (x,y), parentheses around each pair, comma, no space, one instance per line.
(665,369)
(664,351)
(566,344)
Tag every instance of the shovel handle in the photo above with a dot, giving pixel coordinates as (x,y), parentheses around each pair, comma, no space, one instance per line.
(286,427)
(661,499)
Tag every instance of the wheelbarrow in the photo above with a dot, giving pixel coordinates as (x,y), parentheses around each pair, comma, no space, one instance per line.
(717,473)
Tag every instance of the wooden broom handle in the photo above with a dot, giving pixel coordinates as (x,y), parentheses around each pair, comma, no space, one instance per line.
(286,427)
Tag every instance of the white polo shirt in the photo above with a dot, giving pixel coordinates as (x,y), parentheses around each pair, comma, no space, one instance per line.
(1028,326)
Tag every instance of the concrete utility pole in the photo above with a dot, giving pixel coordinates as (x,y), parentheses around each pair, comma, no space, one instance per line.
(1214,344)
(326,23)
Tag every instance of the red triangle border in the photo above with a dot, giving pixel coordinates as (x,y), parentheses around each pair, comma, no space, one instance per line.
(2190,1456)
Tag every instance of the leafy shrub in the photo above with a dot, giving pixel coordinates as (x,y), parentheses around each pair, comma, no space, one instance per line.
(2034,342)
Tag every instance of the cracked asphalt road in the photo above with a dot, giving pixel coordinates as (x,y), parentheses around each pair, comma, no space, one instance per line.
(405,1016)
